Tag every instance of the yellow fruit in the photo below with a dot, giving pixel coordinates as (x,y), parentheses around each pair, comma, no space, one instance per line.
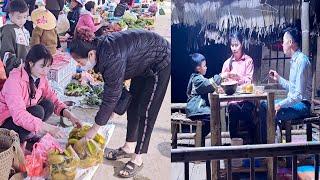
(58,176)
(86,127)
(88,162)
(55,159)
(100,139)
(70,175)
(72,141)
(67,153)
(249,88)
(91,147)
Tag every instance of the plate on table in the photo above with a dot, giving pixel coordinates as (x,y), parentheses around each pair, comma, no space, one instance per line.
(243,92)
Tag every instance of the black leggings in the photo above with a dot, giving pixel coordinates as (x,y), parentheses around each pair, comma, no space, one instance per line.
(43,110)
(147,96)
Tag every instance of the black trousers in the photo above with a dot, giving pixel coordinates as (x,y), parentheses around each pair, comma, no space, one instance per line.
(43,110)
(147,96)
(241,111)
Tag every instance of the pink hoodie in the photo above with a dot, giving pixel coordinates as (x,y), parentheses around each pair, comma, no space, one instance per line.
(14,99)
(86,20)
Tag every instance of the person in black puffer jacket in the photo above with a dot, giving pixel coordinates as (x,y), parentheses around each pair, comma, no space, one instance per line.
(139,55)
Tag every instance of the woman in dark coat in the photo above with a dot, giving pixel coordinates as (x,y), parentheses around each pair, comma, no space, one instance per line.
(74,14)
(139,55)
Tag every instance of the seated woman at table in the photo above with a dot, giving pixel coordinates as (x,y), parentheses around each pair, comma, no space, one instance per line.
(27,100)
(197,92)
(239,68)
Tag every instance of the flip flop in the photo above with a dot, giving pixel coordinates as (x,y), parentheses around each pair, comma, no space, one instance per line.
(118,154)
(131,168)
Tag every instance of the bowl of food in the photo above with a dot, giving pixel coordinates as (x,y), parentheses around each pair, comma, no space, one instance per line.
(229,87)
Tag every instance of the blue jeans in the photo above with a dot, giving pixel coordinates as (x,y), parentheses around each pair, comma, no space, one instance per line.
(298,110)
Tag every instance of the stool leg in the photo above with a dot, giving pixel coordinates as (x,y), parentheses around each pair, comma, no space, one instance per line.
(288,139)
(288,131)
(174,128)
(309,132)
(198,136)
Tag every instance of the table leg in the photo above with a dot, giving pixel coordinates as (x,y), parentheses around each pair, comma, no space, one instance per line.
(215,128)
(270,130)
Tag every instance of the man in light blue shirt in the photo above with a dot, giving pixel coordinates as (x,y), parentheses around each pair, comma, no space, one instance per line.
(297,103)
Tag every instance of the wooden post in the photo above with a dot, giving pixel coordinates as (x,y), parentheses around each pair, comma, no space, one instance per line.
(314,72)
(215,131)
(305,26)
(316,64)
(270,130)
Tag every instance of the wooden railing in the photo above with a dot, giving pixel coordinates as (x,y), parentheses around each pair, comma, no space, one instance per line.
(251,152)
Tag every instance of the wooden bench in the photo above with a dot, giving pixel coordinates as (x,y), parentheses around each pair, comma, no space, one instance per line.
(179,119)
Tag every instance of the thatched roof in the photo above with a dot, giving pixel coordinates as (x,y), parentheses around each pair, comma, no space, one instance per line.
(218,17)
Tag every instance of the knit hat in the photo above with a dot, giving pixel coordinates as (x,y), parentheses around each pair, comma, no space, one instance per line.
(43,18)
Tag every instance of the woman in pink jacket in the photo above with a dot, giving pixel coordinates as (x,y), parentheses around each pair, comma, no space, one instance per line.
(239,68)
(27,100)
(86,17)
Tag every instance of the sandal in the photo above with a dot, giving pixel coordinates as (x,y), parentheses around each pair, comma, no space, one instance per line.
(116,154)
(130,169)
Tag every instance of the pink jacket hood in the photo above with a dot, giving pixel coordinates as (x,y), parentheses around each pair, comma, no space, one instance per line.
(86,19)
(14,99)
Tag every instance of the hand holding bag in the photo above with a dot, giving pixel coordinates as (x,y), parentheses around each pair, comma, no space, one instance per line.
(124,102)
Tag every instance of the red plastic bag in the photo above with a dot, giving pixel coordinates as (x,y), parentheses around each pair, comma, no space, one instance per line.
(36,161)
(34,165)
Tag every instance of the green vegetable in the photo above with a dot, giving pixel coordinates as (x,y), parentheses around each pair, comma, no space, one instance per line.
(74,89)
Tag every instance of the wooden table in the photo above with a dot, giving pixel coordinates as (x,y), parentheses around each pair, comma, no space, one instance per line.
(215,123)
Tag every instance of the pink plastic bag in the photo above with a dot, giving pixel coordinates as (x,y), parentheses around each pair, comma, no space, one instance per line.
(45,144)
(38,158)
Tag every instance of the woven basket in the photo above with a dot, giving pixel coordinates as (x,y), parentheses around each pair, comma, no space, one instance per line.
(8,142)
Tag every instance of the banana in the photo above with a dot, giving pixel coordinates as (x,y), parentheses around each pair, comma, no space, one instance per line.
(72,141)
(55,159)
(91,147)
(100,139)
(58,176)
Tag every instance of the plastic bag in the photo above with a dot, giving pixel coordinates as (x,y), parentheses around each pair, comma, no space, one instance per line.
(63,165)
(63,24)
(3,76)
(35,162)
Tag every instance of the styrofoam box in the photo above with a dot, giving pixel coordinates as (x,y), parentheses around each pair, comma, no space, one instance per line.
(59,72)
(63,83)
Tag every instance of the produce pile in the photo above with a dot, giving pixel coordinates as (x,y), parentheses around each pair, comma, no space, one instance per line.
(76,89)
(133,22)
(89,152)
(91,75)
(63,165)
(83,154)
(94,97)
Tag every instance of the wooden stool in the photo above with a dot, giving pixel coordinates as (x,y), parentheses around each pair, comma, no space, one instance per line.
(178,119)
(287,125)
